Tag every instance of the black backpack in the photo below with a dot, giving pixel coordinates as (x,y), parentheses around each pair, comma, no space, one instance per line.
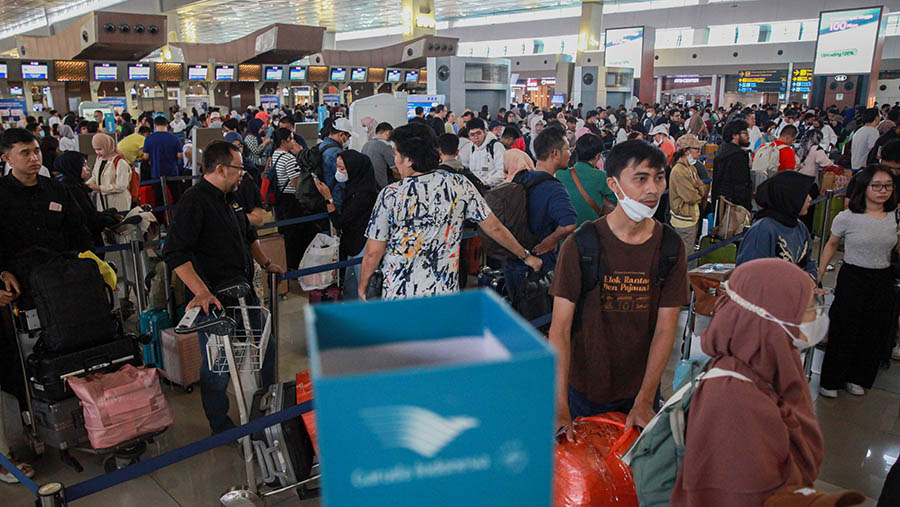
(592,267)
(310,164)
(509,202)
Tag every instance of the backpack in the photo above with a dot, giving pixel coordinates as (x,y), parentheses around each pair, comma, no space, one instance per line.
(656,455)
(270,181)
(311,163)
(768,158)
(590,252)
(490,147)
(134,184)
(509,202)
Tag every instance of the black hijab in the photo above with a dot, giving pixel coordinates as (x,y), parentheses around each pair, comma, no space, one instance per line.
(360,174)
(782,197)
(69,164)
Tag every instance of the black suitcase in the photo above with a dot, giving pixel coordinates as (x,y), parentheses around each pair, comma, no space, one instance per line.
(74,305)
(290,445)
(60,424)
(45,370)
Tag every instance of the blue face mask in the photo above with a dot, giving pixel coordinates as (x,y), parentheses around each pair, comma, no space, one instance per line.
(42,134)
(59,176)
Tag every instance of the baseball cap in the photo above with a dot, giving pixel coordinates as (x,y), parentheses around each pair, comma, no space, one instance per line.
(799,496)
(659,129)
(232,137)
(494,124)
(214,114)
(688,141)
(343,125)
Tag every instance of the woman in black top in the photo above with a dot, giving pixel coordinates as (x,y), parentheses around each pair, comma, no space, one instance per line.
(73,170)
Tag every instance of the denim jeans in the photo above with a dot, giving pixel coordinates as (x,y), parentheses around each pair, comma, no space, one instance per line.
(214,386)
(351,278)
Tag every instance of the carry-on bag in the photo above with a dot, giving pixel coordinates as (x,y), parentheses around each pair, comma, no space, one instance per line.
(327,295)
(323,250)
(289,456)
(60,424)
(74,305)
(152,322)
(182,357)
(122,405)
(46,372)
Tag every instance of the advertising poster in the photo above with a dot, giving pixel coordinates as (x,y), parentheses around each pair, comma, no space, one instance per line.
(846,43)
(332,99)
(624,47)
(270,101)
(13,109)
(117,104)
(425,101)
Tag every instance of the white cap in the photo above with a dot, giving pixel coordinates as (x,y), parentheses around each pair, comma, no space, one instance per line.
(343,125)
(660,129)
(214,114)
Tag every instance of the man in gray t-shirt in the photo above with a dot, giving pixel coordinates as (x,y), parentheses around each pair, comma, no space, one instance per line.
(864,138)
(381,153)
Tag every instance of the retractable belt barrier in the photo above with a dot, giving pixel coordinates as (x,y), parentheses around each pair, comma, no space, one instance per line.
(141,468)
(186,177)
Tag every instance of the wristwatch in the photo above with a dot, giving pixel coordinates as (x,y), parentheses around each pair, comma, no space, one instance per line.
(329,201)
(527,255)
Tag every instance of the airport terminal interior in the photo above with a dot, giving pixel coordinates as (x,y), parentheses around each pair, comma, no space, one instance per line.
(449,252)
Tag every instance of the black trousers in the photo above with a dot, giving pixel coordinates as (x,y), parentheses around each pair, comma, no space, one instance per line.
(860,326)
(297,237)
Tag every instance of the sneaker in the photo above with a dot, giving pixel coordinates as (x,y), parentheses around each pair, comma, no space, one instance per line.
(855,389)
(828,393)
(9,478)
(830,267)
(895,354)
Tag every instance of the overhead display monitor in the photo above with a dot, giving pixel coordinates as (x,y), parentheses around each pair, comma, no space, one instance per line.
(34,70)
(224,72)
(105,72)
(4,70)
(338,74)
(846,43)
(425,101)
(16,90)
(358,74)
(763,81)
(274,73)
(624,48)
(558,99)
(298,74)
(801,81)
(138,72)
(394,75)
(197,73)
(411,76)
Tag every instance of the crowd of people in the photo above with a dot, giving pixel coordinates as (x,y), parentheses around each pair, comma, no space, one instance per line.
(614,201)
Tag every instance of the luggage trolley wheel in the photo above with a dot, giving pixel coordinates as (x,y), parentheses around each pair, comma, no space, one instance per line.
(124,456)
(188,388)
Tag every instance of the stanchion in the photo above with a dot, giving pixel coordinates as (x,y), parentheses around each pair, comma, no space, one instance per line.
(165,199)
(137,249)
(52,494)
(829,195)
(273,311)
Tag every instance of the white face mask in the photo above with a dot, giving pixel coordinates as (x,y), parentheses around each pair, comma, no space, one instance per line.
(814,331)
(341,177)
(691,160)
(636,211)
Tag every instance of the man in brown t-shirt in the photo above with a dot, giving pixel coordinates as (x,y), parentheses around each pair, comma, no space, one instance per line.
(612,358)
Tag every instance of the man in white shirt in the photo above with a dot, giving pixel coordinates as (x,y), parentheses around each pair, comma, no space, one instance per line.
(864,138)
(484,157)
(753,131)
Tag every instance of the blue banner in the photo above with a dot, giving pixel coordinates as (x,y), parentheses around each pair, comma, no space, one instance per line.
(13,109)
(117,104)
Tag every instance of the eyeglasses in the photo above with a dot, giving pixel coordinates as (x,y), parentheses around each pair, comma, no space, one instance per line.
(234,166)
(878,187)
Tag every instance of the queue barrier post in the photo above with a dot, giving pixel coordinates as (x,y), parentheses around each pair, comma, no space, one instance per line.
(273,310)
(829,195)
(52,494)
(165,198)
(137,249)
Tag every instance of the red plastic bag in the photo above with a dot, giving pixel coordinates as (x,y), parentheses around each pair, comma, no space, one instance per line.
(589,471)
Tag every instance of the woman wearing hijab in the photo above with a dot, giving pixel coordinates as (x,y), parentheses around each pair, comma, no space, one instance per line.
(777,230)
(255,145)
(515,161)
(74,171)
(746,439)
(360,192)
(111,177)
(67,138)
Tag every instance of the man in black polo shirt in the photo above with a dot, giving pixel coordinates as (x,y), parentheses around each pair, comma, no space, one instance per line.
(211,244)
(36,213)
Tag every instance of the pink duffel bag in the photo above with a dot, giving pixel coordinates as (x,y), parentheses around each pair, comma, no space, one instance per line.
(122,405)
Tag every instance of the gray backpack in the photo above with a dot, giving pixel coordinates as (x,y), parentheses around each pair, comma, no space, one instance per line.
(656,455)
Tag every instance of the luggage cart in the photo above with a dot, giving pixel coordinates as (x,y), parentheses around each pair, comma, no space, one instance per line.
(705,293)
(237,346)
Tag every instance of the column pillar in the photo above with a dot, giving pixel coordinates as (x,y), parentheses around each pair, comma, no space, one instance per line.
(417,17)
(590,26)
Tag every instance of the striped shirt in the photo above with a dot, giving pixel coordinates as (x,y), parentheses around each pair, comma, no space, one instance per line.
(286,169)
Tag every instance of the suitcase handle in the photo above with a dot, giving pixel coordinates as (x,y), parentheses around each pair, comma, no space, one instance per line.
(101,359)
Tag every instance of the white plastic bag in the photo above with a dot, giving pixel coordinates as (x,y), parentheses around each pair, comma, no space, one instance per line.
(323,250)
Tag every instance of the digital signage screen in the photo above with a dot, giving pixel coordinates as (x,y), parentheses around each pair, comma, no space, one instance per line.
(16,90)
(338,74)
(4,70)
(224,73)
(425,101)
(274,73)
(197,72)
(105,72)
(624,47)
(298,73)
(34,70)
(801,81)
(358,74)
(138,72)
(763,81)
(393,76)
(846,43)
(411,76)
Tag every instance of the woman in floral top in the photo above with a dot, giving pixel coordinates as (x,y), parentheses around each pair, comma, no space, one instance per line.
(416,227)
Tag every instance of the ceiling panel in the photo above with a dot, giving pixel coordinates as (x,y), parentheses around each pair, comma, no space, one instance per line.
(216,21)
(19,16)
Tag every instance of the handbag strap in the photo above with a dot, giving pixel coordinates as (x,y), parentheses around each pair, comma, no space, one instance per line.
(584,194)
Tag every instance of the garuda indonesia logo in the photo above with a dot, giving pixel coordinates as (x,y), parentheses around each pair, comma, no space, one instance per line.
(415,428)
